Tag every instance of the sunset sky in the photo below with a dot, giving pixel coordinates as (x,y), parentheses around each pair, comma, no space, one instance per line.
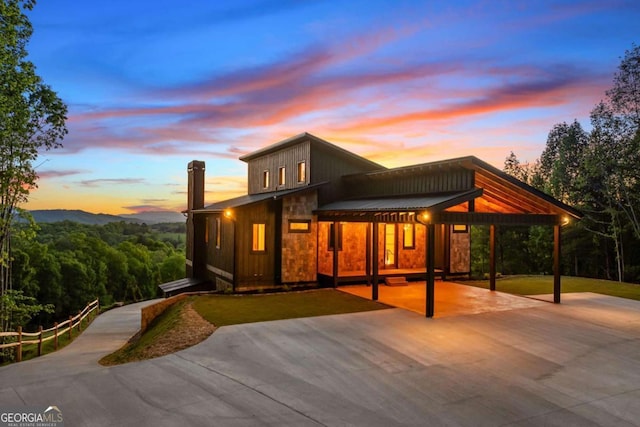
(152,85)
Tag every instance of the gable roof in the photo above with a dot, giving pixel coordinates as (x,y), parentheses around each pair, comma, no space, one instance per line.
(501,191)
(316,142)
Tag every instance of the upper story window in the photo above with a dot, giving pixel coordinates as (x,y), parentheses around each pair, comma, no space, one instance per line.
(281,175)
(265,179)
(302,172)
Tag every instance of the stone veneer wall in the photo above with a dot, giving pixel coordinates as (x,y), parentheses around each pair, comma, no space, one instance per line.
(412,258)
(299,249)
(354,246)
(460,253)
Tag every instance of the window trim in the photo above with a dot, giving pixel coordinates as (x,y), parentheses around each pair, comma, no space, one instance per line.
(406,227)
(218,233)
(460,228)
(282,176)
(293,229)
(261,238)
(265,179)
(302,172)
(330,242)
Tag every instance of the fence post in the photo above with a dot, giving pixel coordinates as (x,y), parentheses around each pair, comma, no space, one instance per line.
(79,321)
(55,336)
(40,341)
(70,327)
(19,347)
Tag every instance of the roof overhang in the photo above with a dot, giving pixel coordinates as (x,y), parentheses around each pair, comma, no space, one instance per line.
(393,209)
(249,199)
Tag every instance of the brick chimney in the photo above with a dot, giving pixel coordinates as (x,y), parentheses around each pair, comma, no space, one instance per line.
(196,223)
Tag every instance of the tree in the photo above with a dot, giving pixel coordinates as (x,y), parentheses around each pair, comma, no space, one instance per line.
(32,118)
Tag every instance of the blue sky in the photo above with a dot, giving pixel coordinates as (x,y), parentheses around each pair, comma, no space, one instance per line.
(151,85)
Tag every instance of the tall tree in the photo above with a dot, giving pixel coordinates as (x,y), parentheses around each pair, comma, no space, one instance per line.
(32,118)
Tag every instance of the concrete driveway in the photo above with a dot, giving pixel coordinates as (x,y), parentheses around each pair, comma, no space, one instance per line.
(577,363)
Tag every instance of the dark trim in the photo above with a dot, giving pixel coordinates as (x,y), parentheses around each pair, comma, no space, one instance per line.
(482,218)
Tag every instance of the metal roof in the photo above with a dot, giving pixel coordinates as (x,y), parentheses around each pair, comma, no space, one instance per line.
(400,204)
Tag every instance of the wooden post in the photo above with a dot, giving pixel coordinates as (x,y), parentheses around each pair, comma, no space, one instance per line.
(40,341)
(374,255)
(492,257)
(431,277)
(19,346)
(335,254)
(55,336)
(79,321)
(556,263)
(367,258)
(70,327)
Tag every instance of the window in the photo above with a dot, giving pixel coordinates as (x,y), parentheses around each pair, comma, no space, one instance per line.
(408,236)
(258,242)
(218,232)
(299,226)
(265,179)
(302,172)
(281,175)
(331,233)
(460,228)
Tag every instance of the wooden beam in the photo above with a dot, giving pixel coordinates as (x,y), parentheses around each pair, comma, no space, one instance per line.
(485,218)
(374,279)
(557,237)
(431,276)
(492,257)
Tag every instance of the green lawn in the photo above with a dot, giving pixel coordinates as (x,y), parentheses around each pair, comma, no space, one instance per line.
(224,310)
(536,285)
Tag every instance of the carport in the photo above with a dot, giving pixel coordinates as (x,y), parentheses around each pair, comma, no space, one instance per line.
(454,193)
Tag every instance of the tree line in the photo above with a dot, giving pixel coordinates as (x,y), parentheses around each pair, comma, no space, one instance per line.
(62,266)
(596,171)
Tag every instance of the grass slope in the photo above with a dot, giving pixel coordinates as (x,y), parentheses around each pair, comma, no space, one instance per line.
(224,310)
(221,310)
(538,285)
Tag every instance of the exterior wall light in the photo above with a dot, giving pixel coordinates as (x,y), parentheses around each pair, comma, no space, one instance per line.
(228,213)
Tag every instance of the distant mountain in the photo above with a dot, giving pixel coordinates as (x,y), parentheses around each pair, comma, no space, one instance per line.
(82,217)
(156,217)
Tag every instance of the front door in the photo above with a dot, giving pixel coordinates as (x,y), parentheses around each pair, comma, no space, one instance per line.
(390,246)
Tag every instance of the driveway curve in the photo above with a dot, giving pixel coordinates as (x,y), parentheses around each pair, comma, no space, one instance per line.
(571,364)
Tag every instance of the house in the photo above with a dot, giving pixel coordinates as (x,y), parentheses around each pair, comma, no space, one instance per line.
(315,213)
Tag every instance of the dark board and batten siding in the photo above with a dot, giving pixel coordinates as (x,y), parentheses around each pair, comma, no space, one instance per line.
(289,158)
(398,184)
(330,166)
(220,260)
(256,269)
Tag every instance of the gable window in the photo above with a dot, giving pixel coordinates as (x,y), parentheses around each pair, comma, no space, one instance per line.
(218,233)
(281,175)
(331,235)
(265,179)
(408,236)
(302,172)
(258,240)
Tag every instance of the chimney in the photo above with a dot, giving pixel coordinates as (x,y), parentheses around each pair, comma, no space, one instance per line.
(196,223)
(196,185)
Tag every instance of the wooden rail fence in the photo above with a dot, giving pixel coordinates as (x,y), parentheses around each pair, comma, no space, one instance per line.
(44,335)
